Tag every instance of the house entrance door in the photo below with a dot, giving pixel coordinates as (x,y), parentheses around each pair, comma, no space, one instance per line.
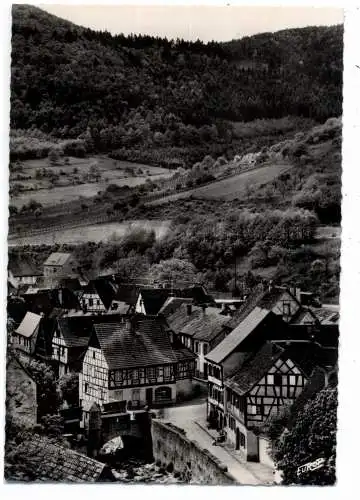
(237,444)
(149,396)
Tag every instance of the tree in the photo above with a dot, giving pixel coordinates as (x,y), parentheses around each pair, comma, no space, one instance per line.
(47,394)
(174,270)
(312,436)
(69,388)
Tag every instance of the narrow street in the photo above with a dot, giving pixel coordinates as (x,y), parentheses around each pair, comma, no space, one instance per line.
(192,418)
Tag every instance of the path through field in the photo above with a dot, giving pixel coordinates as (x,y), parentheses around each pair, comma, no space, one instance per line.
(232,187)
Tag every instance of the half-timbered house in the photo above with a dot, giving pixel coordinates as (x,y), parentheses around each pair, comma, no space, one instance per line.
(71,338)
(98,295)
(274,376)
(137,361)
(229,355)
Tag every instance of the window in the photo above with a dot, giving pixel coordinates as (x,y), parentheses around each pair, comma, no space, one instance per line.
(242,440)
(159,372)
(286,308)
(197,347)
(210,370)
(151,374)
(278,379)
(260,409)
(86,387)
(167,372)
(292,380)
(135,375)
(205,349)
(119,395)
(162,394)
(252,410)
(91,302)
(135,397)
(93,354)
(98,302)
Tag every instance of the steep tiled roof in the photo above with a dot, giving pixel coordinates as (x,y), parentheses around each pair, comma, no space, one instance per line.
(264,298)
(154,298)
(148,345)
(76,330)
(126,293)
(255,368)
(56,463)
(326,316)
(57,259)
(72,284)
(206,325)
(172,304)
(44,301)
(249,304)
(181,317)
(238,335)
(28,325)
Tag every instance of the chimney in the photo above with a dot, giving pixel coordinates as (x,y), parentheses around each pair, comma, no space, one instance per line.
(131,324)
(189,309)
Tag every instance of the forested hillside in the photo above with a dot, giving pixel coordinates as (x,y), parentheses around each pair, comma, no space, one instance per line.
(127,92)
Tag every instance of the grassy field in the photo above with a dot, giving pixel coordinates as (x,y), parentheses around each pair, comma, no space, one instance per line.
(235,187)
(95,233)
(75,179)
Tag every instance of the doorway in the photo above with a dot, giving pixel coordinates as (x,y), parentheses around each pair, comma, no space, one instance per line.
(237,444)
(149,396)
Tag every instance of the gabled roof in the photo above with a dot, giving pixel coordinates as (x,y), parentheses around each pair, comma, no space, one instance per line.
(72,284)
(254,368)
(264,298)
(238,335)
(57,259)
(181,317)
(56,463)
(172,304)
(326,316)
(45,301)
(76,330)
(126,293)
(153,299)
(28,325)
(103,288)
(21,265)
(205,325)
(149,344)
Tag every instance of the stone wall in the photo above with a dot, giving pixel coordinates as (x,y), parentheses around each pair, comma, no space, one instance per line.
(196,465)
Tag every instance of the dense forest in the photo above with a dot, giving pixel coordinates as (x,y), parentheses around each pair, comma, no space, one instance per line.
(160,94)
